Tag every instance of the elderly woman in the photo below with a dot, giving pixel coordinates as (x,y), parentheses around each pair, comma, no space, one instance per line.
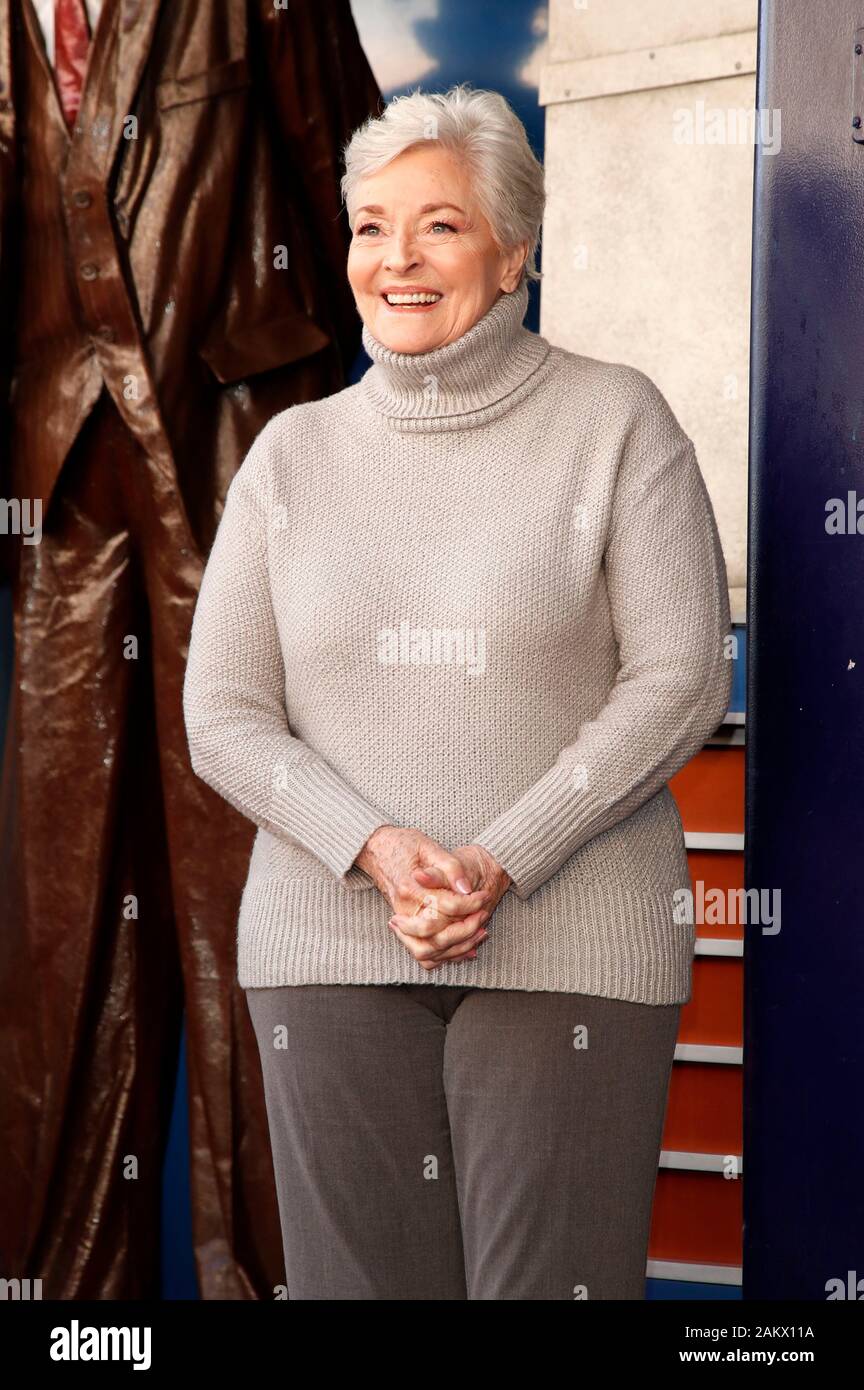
(460,624)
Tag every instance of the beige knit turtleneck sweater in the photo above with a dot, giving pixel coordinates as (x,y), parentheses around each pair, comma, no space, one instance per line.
(480,593)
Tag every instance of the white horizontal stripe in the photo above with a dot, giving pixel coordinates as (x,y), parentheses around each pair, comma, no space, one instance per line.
(727,736)
(719,946)
(694,1273)
(709,1052)
(713,839)
(698,1162)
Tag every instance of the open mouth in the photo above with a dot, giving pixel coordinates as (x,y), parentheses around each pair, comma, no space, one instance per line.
(413,301)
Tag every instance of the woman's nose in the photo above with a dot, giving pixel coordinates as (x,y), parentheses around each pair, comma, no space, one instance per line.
(401,253)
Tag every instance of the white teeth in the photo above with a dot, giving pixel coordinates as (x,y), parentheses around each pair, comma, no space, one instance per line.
(413,298)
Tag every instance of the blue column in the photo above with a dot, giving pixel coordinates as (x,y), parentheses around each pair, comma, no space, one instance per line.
(804,1040)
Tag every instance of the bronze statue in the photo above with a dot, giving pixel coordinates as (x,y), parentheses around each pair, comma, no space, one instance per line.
(171,275)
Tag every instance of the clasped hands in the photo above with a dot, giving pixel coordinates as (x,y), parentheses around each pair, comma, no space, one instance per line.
(441,899)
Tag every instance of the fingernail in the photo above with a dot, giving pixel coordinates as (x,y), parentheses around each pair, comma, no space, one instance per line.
(463,885)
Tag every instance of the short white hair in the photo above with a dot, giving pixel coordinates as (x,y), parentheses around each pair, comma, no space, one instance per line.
(481,129)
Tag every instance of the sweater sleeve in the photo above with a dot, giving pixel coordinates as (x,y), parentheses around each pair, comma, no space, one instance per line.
(667,589)
(237,726)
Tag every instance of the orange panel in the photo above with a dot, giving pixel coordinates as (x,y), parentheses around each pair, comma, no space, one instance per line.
(697,1216)
(710,790)
(704,1113)
(723,870)
(715,1013)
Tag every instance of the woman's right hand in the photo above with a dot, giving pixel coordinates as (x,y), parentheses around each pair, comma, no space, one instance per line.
(390,856)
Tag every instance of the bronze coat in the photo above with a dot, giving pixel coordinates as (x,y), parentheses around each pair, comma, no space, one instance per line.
(192,252)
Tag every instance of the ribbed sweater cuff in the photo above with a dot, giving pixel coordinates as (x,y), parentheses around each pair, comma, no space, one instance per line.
(315,807)
(533,838)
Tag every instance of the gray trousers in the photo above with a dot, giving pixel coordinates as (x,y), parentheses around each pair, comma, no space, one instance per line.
(440,1142)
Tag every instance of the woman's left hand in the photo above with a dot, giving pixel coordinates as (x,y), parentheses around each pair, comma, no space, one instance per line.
(483,871)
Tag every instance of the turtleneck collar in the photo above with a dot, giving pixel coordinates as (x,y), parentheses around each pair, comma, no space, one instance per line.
(469,381)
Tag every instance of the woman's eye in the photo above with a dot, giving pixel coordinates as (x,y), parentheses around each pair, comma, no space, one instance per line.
(368,227)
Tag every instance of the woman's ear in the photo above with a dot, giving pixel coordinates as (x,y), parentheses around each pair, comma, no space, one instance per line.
(513,267)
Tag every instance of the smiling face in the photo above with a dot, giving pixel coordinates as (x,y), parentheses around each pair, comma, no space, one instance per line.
(418,230)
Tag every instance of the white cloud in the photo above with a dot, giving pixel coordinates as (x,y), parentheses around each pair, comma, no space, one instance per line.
(386,29)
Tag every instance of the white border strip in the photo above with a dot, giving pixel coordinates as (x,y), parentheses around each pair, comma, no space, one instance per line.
(727,736)
(713,839)
(697,1162)
(709,1052)
(694,1273)
(719,946)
